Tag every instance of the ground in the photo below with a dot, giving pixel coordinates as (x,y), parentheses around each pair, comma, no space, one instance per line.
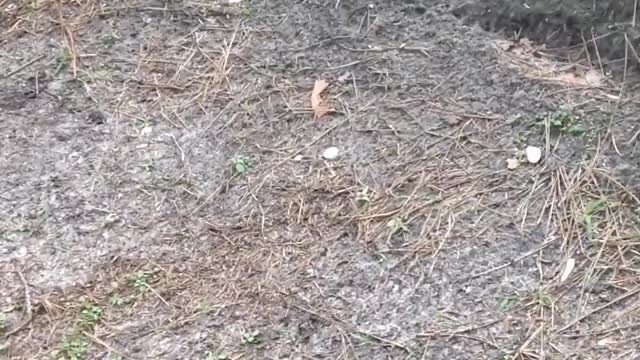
(164,195)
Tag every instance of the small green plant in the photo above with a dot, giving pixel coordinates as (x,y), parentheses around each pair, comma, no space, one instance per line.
(397,225)
(4,348)
(241,165)
(204,308)
(363,340)
(542,298)
(110,39)
(565,120)
(64,58)
(90,312)
(520,139)
(24,227)
(139,280)
(593,207)
(362,197)
(506,303)
(116,300)
(251,337)
(248,108)
(3,321)
(217,356)
(73,349)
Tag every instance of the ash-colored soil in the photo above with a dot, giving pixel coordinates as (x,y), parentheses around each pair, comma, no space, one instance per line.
(127,232)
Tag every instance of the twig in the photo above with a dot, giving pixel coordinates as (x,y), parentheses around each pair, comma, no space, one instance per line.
(462,330)
(525,255)
(353,328)
(27,300)
(599,308)
(104,344)
(28,63)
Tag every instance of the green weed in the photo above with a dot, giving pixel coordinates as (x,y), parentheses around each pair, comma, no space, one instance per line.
(565,121)
(73,349)
(139,280)
(543,299)
(363,340)
(397,225)
(362,197)
(506,303)
(592,208)
(241,165)
(251,337)
(64,58)
(217,356)
(90,312)
(116,300)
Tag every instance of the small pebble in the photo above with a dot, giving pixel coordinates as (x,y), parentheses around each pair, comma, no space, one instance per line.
(453,120)
(534,154)
(298,158)
(331,153)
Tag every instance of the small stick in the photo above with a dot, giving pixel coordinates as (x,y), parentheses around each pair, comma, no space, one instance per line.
(104,344)
(28,63)
(353,328)
(525,255)
(27,300)
(599,308)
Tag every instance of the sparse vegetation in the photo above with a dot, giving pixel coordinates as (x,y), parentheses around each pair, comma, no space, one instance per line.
(397,225)
(139,280)
(72,349)
(116,299)
(217,356)
(542,298)
(592,208)
(64,58)
(565,121)
(250,337)
(362,197)
(90,312)
(241,164)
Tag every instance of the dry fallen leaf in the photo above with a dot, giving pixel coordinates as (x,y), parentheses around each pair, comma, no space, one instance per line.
(317,104)
(606,341)
(568,268)
(571,79)
(594,77)
(512,164)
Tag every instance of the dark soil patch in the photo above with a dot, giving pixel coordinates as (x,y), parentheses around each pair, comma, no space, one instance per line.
(606,29)
(125,231)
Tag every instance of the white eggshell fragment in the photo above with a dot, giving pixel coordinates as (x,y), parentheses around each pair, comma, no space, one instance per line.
(534,154)
(331,153)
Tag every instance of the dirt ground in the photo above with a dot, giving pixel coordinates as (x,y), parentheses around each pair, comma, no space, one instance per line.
(163,193)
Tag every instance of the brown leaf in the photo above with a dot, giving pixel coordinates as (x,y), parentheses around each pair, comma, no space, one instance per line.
(317,104)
